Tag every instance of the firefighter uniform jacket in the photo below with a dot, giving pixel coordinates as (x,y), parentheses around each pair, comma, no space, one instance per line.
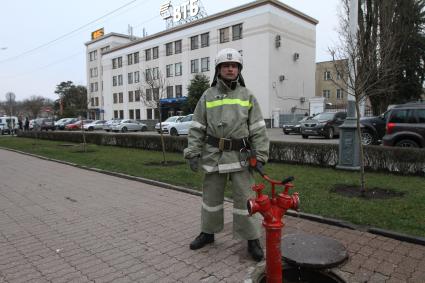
(225,113)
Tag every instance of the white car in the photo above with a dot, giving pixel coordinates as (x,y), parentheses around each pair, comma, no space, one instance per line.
(108,124)
(95,125)
(129,125)
(181,127)
(167,122)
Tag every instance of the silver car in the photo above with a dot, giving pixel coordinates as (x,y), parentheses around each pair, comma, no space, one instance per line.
(95,125)
(108,124)
(128,125)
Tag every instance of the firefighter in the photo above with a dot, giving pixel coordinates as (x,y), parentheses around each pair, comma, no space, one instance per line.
(227,123)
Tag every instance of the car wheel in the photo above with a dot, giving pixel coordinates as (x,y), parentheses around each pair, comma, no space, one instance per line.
(174,132)
(91,129)
(144,129)
(124,129)
(305,136)
(330,133)
(367,137)
(407,143)
(286,133)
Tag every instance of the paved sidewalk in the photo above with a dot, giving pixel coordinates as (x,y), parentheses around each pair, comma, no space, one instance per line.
(59,223)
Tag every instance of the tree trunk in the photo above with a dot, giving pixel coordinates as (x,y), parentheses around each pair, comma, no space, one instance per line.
(361,159)
(164,161)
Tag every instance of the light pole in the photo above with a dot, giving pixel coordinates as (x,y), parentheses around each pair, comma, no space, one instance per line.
(349,155)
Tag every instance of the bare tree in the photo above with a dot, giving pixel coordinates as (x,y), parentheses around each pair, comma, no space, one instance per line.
(33,105)
(152,91)
(366,61)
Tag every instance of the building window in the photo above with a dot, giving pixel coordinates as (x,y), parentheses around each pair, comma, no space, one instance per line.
(115,96)
(237,32)
(149,114)
(177,46)
(169,49)
(114,63)
(194,66)
(155,52)
(130,59)
(194,42)
(121,114)
(130,78)
(170,91)
(96,99)
(116,114)
(148,94)
(120,97)
(136,76)
(148,75)
(137,95)
(326,93)
(92,101)
(205,39)
(136,57)
(131,113)
(224,35)
(114,81)
(339,94)
(155,92)
(169,70)
(93,72)
(137,114)
(178,69)
(155,73)
(178,90)
(130,96)
(205,64)
(93,55)
(148,54)
(119,79)
(104,49)
(119,62)
(327,76)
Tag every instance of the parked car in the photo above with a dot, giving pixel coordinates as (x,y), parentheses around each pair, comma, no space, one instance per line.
(406,126)
(128,125)
(180,127)
(95,125)
(77,125)
(373,128)
(325,124)
(8,124)
(44,124)
(165,123)
(108,124)
(60,124)
(294,127)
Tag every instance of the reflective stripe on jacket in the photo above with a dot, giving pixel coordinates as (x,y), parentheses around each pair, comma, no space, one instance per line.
(225,113)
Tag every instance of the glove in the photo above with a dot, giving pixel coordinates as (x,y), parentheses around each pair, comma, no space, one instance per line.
(259,167)
(194,164)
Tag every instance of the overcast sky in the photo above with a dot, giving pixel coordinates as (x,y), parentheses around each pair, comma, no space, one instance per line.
(42,42)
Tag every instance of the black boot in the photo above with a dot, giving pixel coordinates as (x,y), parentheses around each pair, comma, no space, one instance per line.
(255,250)
(202,240)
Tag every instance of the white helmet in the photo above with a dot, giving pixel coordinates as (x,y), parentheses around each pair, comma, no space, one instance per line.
(228,55)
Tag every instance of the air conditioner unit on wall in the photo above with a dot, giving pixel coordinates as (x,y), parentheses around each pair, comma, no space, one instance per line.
(277,41)
(296,56)
(302,99)
(281,78)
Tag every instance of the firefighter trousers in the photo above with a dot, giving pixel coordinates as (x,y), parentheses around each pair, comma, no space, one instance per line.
(245,227)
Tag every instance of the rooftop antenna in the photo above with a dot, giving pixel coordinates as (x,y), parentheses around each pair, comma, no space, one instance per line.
(130,32)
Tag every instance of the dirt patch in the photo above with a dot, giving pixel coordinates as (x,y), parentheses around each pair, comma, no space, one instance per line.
(371,193)
(162,163)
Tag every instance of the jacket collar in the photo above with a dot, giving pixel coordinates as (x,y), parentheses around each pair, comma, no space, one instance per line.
(223,87)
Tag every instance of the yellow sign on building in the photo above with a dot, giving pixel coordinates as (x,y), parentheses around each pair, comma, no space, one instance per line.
(97,33)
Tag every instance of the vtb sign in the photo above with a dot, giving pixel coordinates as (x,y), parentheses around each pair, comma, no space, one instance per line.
(182,12)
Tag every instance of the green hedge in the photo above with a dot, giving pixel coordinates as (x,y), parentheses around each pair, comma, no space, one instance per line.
(377,158)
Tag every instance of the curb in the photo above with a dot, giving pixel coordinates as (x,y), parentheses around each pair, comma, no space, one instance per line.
(317,218)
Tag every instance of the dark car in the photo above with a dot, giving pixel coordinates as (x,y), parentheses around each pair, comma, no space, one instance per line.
(325,124)
(294,127)
(406,126)
(44,124)
(373,128)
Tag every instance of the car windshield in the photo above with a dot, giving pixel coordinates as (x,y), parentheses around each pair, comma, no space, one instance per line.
(324,116)
(172,119)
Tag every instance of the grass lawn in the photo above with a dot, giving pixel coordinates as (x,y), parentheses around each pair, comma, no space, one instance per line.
(404,214)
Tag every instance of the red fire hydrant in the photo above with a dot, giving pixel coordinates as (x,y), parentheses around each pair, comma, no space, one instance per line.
(272,211)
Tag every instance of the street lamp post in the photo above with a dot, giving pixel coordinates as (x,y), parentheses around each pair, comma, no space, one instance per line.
(10,97)
(349,156)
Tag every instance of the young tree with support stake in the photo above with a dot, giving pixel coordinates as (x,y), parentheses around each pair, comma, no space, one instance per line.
(366,60)
(151,92)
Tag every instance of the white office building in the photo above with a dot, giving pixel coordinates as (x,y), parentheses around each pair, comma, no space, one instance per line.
(277,43)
